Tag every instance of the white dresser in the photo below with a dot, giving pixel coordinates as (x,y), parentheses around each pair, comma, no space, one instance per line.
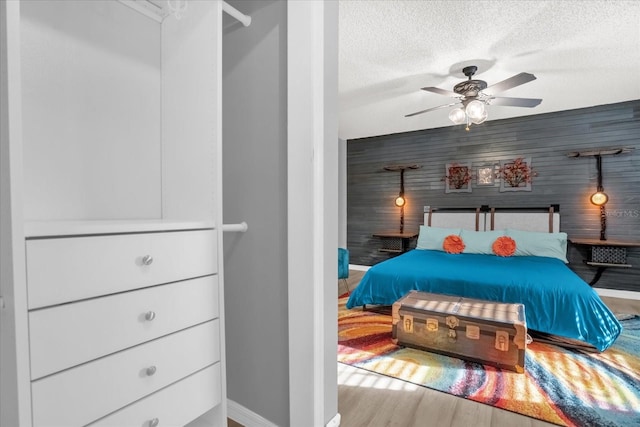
(112,287)
(117,321)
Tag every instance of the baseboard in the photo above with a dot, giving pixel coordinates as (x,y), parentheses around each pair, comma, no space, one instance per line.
(334,422)
(244,416)
(359,267)
(616,293)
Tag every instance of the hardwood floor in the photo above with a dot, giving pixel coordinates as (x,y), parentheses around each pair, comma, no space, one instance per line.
(367,399)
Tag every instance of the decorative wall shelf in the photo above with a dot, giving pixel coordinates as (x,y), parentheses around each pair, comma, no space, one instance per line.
(596,244)
(395,242)
(600,152)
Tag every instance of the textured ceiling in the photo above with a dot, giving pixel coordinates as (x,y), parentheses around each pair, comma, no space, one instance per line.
(583,53)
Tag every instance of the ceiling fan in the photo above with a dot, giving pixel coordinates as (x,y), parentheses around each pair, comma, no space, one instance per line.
(471,95)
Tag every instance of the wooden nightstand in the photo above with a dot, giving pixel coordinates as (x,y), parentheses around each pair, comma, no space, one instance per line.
(605,254)
(394,242)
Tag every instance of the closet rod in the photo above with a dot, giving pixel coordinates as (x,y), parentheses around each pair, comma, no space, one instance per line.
(242,227)
(245,19)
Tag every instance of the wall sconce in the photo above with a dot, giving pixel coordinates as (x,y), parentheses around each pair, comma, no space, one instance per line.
(400,201)
(600,198)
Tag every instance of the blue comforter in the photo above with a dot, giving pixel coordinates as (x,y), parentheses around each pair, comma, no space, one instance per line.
(556,300)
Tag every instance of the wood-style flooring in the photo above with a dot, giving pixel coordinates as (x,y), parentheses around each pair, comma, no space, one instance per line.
(366,399)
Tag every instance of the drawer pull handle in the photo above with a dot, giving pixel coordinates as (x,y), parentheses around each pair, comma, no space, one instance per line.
(150,315)
(151,370)
(147,260)
(154,422)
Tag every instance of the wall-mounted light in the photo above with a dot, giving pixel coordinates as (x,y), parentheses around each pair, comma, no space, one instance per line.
(401,201)
(599,198)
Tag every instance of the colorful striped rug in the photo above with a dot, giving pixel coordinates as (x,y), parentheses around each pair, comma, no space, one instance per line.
(560,386)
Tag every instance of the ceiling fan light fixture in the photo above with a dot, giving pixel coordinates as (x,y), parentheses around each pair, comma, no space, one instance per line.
(481,119)
(475,110)
(458,116)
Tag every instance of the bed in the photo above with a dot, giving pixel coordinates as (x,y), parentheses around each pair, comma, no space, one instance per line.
(558,303)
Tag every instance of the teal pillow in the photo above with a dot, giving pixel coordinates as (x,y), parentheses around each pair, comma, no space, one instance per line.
(433,237)
(480,242)
(553,245)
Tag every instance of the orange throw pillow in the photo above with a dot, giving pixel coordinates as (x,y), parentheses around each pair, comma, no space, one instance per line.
(453,244)
(504,246)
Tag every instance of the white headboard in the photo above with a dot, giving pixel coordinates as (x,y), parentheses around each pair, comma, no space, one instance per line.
(546,222)
(465,218)
(545,219)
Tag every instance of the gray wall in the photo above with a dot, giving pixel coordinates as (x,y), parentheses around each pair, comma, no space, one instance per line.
(546,138)
(255,183)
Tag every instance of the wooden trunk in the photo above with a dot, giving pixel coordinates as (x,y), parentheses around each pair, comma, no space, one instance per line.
(480,331)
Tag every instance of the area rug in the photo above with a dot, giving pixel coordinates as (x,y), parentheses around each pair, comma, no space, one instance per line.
(560,386)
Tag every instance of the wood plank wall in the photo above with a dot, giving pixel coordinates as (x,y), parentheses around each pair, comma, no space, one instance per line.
(546,138)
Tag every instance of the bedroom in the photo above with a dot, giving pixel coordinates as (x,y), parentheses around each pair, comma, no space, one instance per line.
(378,135)
(257,194)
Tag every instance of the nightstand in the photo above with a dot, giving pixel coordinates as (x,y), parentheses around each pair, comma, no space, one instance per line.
(605,254)
(394,242)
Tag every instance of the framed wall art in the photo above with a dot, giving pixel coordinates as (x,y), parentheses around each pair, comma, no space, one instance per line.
(457,177)
(516,174)
(486,175)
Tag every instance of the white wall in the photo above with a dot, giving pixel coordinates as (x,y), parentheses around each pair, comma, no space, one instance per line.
(342,193)
(92,51)
(313,210)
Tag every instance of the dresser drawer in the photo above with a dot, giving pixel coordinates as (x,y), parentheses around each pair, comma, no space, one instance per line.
(176,405)
(88,392)
(67,335)
(68,269)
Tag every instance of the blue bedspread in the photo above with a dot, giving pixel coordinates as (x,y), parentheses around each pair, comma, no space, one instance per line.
(556,300)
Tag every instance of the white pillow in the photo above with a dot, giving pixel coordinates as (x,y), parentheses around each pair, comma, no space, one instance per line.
(480,242)
(553,245)
(433,237)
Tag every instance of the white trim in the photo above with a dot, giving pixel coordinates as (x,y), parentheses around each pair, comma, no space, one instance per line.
(146,8)
(359,267)
(15,388)
(244,416)
(312,210)
(616,293)
(335,421)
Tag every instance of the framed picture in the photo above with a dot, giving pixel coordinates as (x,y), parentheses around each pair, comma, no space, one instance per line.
(457,177)
(486,176)
(516,174)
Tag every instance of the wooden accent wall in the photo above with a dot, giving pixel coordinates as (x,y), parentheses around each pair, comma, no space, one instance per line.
(546,138)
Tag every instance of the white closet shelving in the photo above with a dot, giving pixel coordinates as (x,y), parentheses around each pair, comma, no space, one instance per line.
(115,189)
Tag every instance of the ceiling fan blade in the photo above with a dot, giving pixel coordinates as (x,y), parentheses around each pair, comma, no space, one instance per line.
(431,109)
(515,102)
(441,91)
(511,82)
